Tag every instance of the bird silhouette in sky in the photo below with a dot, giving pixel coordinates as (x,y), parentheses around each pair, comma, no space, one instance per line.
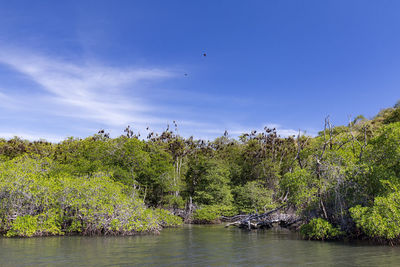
(204,55)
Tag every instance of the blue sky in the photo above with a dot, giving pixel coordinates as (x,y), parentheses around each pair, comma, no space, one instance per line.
(70,68)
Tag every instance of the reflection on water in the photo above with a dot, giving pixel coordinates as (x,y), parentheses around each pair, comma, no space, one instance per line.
(194,245)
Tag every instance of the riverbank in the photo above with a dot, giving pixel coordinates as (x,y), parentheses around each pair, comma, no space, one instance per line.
(344,182)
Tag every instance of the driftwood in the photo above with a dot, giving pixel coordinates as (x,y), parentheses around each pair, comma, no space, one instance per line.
(265,220)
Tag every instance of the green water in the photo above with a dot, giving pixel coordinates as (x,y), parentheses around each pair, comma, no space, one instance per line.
(194,246)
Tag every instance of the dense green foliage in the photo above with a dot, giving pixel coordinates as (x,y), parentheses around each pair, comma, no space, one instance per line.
(319,229)
(382,220)
(344,180)
(37,200)
(211,213)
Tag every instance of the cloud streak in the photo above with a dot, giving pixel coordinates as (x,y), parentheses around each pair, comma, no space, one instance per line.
(96,95)
(89,91)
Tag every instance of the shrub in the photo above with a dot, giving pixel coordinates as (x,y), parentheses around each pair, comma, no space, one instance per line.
(172,201)
(24,226)
(319,229)
(301,187)
(166,218)
(210,213)
(254,196)
(35,203)
(206,214)
(382,220)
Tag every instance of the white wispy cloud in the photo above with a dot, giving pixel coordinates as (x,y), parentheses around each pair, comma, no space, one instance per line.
(111,96)
(86,90)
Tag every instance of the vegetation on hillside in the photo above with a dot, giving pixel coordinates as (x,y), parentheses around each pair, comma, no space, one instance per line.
(343,182)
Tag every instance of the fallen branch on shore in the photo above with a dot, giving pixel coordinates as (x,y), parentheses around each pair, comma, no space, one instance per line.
(265,220)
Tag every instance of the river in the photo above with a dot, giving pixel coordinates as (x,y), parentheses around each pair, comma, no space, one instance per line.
(194,245)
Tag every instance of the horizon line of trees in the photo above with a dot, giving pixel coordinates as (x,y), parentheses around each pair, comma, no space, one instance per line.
(343,182)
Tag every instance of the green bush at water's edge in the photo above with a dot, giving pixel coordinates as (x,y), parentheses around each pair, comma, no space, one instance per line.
(35,202)
(166,218)
(210,213)
(380,221)
(319,229)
